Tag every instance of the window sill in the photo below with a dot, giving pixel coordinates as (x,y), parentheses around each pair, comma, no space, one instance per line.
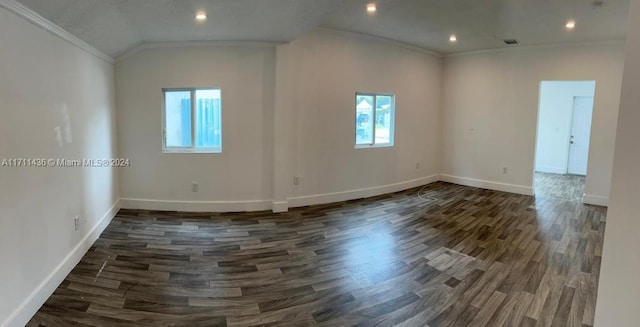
(192,150)
(369,146)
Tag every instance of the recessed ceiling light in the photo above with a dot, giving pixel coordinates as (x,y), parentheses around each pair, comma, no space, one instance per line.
(201,16)
(571,24)
(453,38)
(371,8)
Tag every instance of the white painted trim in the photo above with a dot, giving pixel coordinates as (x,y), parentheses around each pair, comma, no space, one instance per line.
(34,18)
(280,206)
(196,206)
(504,187)
(551,169)
(380,39)
(533,47)
(306,200)
(192,44)
(595,200)
(43,291)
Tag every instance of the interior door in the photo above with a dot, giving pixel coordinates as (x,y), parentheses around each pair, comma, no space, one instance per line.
(580,133)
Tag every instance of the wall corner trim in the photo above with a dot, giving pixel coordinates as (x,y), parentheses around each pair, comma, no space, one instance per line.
(595,200)
(35,18)
(504,187)
(43,291)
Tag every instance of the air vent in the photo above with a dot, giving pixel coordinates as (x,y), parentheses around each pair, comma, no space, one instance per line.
(511,41)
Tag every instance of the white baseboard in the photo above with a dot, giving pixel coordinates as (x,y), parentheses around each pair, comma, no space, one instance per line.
(551,169)
(301,201)
(280,206)
(196,206)
(43,291)
(511,188)
(596,200)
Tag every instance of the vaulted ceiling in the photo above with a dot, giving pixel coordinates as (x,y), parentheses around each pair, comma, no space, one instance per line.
(115,26)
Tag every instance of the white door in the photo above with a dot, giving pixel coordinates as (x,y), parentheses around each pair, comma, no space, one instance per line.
(580,133)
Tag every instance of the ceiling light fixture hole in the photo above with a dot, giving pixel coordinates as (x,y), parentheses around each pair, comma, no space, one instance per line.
(371,8)
(201,16)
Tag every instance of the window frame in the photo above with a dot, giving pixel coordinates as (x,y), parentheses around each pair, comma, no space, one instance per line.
(192,148)
(391,142)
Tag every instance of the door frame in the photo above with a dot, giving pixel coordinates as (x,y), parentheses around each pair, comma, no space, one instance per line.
(537,133)
(573,114)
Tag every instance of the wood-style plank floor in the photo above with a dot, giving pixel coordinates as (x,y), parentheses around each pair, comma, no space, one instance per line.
(456,256)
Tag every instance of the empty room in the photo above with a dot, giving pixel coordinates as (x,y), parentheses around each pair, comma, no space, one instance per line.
(319,163)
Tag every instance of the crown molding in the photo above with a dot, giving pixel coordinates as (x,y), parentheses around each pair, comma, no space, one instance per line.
(380,39)
(192,44)
(263,44)
(34,18)
(534,47)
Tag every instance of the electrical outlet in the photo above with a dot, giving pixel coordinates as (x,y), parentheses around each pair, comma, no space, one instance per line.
(76,223)
(505,170)
(296,180)
(195,187)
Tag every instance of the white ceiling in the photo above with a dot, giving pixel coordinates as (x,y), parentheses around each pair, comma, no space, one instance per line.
(115,26)
(484,24)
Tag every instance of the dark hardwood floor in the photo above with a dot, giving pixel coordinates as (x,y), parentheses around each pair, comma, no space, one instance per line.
(469,257)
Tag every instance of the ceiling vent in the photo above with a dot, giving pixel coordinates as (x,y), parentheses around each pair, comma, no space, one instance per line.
(511,41)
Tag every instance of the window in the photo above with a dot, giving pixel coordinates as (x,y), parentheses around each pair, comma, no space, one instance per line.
(192,120)
(374,119)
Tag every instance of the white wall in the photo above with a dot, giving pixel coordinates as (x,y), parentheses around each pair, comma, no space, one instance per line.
(239,178)
(47,85)
(619,288)
(312,123)
(328,68)
(554,122)
(490,112)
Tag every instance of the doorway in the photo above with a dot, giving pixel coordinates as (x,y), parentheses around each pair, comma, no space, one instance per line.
(562,146)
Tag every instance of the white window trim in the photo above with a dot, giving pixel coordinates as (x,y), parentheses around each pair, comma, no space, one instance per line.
(193,148)
(392,125)
(369,146)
